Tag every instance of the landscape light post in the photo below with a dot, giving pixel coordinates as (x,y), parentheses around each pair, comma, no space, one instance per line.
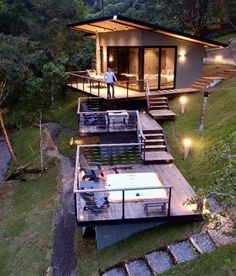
(183,100)
(187,144)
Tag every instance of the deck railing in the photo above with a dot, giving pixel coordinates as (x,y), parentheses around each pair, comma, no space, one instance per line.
(79,192)
(94,85)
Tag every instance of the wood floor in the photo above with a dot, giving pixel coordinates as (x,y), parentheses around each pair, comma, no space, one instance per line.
(121,92)
(169,175)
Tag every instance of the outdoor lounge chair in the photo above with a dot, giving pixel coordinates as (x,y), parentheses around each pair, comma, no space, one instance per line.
(95,202)
(89,119)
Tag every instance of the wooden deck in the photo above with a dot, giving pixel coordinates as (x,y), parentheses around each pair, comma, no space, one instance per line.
(169,175)
(162,114)
(147,123)
(121,92)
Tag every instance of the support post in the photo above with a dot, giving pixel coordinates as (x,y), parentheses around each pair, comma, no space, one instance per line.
(169,202)
(203,111)
(123,204)
(98,55)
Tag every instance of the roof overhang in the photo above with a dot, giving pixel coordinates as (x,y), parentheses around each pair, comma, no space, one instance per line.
(121,23)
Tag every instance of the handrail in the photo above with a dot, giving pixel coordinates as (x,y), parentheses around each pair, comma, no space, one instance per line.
(80,191)
(147,91)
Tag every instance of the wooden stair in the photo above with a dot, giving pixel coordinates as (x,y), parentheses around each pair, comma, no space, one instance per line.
(155,149)
(205,82)
(158,108)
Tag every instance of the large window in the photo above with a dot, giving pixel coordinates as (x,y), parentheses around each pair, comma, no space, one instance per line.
(159,67)
(133,63)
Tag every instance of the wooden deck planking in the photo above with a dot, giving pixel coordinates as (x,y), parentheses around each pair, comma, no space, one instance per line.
(168,174)
(147,123)
(161,113)
(121,92)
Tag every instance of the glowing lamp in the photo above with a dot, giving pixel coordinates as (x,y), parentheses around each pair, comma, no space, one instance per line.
(183,100)
(187,144)
(182,55)
(218,58)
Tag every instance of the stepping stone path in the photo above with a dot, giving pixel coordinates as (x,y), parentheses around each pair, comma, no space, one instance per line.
(183,251)
(117,271)
(159,261)
(138,268)
(202,242)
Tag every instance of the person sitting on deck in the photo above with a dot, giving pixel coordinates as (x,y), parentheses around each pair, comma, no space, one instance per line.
(110,78)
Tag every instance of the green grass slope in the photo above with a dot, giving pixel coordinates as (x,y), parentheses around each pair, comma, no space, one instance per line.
(27,212)
(220,123)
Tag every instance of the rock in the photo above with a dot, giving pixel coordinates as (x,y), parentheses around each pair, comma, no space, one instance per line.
(159,261)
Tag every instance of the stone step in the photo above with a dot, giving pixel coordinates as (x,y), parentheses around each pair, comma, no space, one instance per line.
(202,242)
(182,251)
(138,268)
(117,271)
(159,261)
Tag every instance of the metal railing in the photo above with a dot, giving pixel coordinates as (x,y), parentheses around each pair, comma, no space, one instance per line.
(94,85)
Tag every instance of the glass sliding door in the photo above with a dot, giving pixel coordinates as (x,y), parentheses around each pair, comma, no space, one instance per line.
(151,66)
(124,62)
(167,69)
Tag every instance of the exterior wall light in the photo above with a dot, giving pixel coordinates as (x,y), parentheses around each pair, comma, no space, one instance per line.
(218,59)
(187,143)
(183,100)
(111,58)
(182,55)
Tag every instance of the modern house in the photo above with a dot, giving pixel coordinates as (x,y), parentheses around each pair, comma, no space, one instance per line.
(137,50)
(127,180)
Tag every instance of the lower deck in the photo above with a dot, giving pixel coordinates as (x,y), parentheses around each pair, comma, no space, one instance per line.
(134,210)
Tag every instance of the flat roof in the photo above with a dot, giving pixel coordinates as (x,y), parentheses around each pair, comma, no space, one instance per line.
(121,23)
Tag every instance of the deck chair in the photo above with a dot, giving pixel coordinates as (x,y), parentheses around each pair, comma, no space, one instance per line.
(89,119)
(89,175)
(132,121)
(101,121)
(95,202)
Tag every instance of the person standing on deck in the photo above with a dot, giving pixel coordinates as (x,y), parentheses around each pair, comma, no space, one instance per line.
(110,78)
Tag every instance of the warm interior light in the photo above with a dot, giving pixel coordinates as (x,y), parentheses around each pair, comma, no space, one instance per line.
(111,58)
(183,99)
(187,142)
(218,58)
(126,28)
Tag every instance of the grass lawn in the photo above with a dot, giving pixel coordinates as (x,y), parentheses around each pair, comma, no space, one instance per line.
(66,114)
(220,123)
(91,260)
(27,213)
(222,261)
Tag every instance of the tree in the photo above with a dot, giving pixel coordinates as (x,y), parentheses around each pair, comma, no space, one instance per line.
(15,59)
(54,78)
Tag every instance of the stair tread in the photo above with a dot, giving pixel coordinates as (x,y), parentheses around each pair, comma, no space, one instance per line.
(159,261)
(155,140)
(182,251)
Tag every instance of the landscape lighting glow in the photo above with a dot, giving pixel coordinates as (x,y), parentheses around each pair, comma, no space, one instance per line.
(183,99)
(187,142)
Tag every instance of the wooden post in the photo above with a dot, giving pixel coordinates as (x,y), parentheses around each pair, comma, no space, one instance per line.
(169,202)
(123,204)
(98,55)
(203,111)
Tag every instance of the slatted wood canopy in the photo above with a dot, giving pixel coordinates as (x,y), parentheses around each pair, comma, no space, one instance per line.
(121,23)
